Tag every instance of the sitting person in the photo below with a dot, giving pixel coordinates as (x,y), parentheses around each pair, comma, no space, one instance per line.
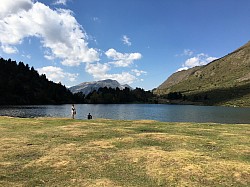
(89,116)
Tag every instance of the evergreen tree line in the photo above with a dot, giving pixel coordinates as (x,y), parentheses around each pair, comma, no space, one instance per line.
(174,96)
(111,96)
(22,85)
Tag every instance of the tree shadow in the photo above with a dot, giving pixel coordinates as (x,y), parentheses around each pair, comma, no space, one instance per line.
(222,95)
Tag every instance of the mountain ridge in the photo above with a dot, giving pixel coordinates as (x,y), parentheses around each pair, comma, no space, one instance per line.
(88,87)
(223,76)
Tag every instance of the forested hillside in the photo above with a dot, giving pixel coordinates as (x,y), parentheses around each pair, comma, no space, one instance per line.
(225,81)
(20,84)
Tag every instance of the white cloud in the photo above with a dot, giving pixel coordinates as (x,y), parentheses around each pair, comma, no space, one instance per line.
(56,74)
(58,30)
(63,38)
(192,62)
(122,78)
(9,50)
(210,59)
(49,57)
(138,72)
(8,7)
(60,2)
(122,60)
(26,56)
(126,40)
(198,60)
(188,52)
(101,71)
(98,70)
(183,68)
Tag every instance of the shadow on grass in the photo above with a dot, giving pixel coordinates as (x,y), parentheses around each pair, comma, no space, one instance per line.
(222,95)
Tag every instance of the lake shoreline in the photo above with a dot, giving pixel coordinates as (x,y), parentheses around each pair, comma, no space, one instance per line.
(159,112)
(117,120)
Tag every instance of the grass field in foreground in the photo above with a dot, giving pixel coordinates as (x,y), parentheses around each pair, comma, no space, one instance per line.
(66,152)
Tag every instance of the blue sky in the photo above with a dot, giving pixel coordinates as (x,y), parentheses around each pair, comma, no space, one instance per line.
(138,42)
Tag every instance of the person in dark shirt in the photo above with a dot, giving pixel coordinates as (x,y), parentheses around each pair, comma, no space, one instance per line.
(89,116)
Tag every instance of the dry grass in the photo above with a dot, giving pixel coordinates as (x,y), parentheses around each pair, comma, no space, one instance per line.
(65,152)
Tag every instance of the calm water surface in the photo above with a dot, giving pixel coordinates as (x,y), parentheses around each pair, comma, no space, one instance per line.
(160,112)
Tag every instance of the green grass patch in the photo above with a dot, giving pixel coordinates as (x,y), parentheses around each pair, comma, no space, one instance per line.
(66,152)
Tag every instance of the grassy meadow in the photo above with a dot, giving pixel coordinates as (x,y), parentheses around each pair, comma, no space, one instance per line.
(101,152)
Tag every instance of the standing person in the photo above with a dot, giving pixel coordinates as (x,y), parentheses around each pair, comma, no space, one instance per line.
(73,111)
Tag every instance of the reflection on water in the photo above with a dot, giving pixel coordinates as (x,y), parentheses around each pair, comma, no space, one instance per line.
(160,112)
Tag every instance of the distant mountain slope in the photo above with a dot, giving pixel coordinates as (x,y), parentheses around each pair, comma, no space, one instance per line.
(225,81)
(88,87)
(174,79)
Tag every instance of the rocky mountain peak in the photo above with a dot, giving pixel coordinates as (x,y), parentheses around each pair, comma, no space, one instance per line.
(88,87)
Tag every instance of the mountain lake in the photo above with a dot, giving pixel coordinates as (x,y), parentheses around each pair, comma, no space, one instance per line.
(159,112)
